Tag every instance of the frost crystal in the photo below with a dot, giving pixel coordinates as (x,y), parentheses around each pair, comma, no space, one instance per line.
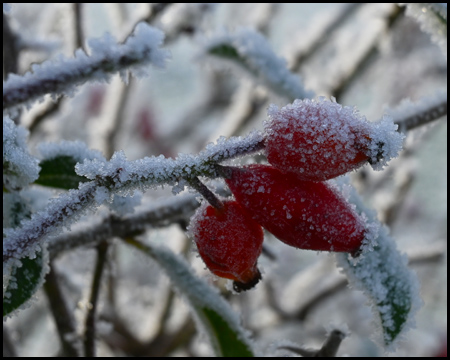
(19,167)
(75,149)
(433,20)
(383,275)
(62,75)
(408,115)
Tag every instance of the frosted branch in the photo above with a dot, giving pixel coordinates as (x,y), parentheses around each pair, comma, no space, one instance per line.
(433,20)
(122,177)
(62,75)
(158,215)
(409,115)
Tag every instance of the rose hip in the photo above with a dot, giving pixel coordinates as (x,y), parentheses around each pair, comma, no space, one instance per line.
(304,214)
(229,242)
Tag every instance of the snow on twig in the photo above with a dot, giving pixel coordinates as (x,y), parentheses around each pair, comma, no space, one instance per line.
(62,75)
(119,176)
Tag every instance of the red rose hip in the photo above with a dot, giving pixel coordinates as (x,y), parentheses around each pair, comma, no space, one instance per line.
(304,214)
(321,139)
(229,242)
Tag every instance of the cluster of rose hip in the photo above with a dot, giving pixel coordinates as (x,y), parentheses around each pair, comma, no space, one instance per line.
(307,143)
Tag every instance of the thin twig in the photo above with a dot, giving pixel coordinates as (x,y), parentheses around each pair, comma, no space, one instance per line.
(78,20)
(62,315)
(90,326)
(207,194)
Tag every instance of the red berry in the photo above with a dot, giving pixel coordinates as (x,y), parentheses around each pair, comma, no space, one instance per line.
(320,140)
(229,241)
(304,214)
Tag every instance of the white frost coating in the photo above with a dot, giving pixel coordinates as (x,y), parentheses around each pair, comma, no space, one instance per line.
(383,275)
(410,114)
(102,195)
(62,75)
(257,57)
(121,177)
(61,211)
(430,15)
(19,167)
(323,139)
(123,205)
(75,149)
(152,171)
(385,140)
(198,294)
(12,284)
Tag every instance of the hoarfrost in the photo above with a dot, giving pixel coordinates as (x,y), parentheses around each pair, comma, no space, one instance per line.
(383,275)
(19,167)
(62,75)
(198,294)
(123,205)
(122,177)
(75,149)
(433,20)
(408,115)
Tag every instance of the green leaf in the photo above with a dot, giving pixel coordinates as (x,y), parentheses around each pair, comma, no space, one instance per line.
(59,172)
(384,277)
(229,343)
(225,50)
(24,282)
(229,52)
(215,315)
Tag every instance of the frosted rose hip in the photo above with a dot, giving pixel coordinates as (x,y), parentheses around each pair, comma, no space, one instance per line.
(229,242)
(304,214)
(321,139)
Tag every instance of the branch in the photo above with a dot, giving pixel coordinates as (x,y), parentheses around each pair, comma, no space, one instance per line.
(122,177)
(62,76)
(408,115)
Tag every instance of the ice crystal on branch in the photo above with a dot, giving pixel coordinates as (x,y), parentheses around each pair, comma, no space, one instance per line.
(120,176)
(409,115)
(433,20)
(19,167)
(75,149)
(384,277)
(62,75)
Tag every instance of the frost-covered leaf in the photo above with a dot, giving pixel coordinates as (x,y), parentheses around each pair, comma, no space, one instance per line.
(383,275)
(227,51)
(23,282)
(213,314)
(250,51)
(59,160)
(59,172)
